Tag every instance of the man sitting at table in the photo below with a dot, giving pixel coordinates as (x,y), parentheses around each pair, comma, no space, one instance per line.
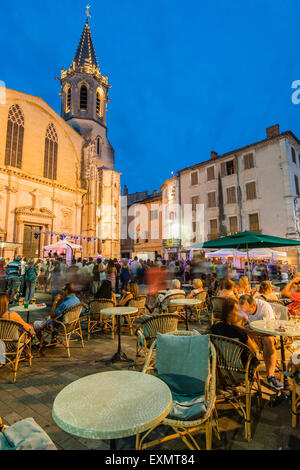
(251,310)
(62,303)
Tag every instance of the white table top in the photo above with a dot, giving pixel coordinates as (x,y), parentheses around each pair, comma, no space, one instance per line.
(185,301)
(112,405)
(20,308)
(119,310)
(290,328)
(162,291)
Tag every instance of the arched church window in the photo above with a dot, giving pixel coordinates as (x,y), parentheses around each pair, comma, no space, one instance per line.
(100,102)
(51,149)
(14,137)
(68,100)
(83,97)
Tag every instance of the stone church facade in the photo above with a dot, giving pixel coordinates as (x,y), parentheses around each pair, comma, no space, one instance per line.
(57,176)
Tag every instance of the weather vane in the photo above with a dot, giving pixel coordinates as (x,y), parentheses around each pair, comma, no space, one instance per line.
(88,11)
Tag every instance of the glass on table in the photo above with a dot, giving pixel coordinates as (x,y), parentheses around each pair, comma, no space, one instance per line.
(26,304)
(21,301)
(33,301)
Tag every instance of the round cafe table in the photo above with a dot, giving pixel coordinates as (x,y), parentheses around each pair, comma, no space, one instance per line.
(292,329)
(112,405)
(118,312)
(186,303)
(30,308)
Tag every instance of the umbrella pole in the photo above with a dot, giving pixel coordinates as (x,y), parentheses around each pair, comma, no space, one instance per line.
(248,263)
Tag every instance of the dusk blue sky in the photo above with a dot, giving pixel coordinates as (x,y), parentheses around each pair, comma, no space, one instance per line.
(188,77)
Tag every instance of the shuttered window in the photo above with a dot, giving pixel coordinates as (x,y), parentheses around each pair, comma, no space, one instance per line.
(233,224)
(228,168)
(194,178)
(254,223)
(212,200)
(251,190)
(195,201)
(231,195)
(210,173)
(213,225)
(293,154)
(51,149)
(248,161)
(14,137)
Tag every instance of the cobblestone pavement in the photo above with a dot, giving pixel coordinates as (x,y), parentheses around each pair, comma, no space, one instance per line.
(36,388)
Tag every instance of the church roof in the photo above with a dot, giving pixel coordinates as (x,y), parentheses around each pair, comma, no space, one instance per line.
(85,54)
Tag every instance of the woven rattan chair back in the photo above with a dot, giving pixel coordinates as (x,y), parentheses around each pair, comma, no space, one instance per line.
(71,317)
(172,308)
(164,323)
(138,302)
(201,296)
(217,306)
(9,334)
(96,306)
(232,360)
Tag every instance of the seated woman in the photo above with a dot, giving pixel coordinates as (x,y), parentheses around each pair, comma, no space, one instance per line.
(229,290)
(243,286)
(6,315)
(105,292)
(132,293)
(265,292)
(230,325)
(198,287)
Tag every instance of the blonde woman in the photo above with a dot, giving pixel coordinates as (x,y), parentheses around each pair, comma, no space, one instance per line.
(132,293)
(243,286)
(198,287)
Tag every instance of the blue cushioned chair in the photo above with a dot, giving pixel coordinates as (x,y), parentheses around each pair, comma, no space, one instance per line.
(186,362)
(25,435)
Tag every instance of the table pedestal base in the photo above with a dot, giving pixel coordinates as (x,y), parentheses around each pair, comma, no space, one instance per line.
(120,356)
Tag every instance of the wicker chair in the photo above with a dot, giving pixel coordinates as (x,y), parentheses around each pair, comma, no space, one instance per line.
(164,323)
(198,309)
(237,376)
(17,343)
(217,306)
(181,428)
(295,402)
(167,307)
(140,303)
(69,323)
(98,322)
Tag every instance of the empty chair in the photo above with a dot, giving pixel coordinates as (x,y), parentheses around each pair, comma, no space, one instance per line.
(186,362)
(98,322)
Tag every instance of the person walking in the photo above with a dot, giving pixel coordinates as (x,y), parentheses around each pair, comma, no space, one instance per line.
(30,280)
(13,271)
(3,277)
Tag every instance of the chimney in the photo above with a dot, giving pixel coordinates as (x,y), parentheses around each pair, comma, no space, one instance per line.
(125,190)
(213,154)
(273,131)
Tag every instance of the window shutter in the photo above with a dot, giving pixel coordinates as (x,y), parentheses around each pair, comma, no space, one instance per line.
(223,169)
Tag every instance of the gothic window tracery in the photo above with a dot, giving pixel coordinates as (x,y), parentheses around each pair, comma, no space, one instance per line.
(14,137)
(51,149)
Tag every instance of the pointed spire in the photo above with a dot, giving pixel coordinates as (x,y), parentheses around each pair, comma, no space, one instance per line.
(85,54)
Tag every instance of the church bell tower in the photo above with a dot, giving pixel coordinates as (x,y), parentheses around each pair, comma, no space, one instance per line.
(84,97)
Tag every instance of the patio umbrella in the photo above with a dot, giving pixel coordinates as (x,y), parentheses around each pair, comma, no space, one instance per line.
(225,253)
(248,240)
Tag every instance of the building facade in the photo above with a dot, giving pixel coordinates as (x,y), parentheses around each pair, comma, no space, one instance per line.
(57,176)
(253,188)
(143,226)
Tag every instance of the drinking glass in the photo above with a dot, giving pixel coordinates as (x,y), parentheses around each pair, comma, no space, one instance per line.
(21,301)
(33,301)
(26,304)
